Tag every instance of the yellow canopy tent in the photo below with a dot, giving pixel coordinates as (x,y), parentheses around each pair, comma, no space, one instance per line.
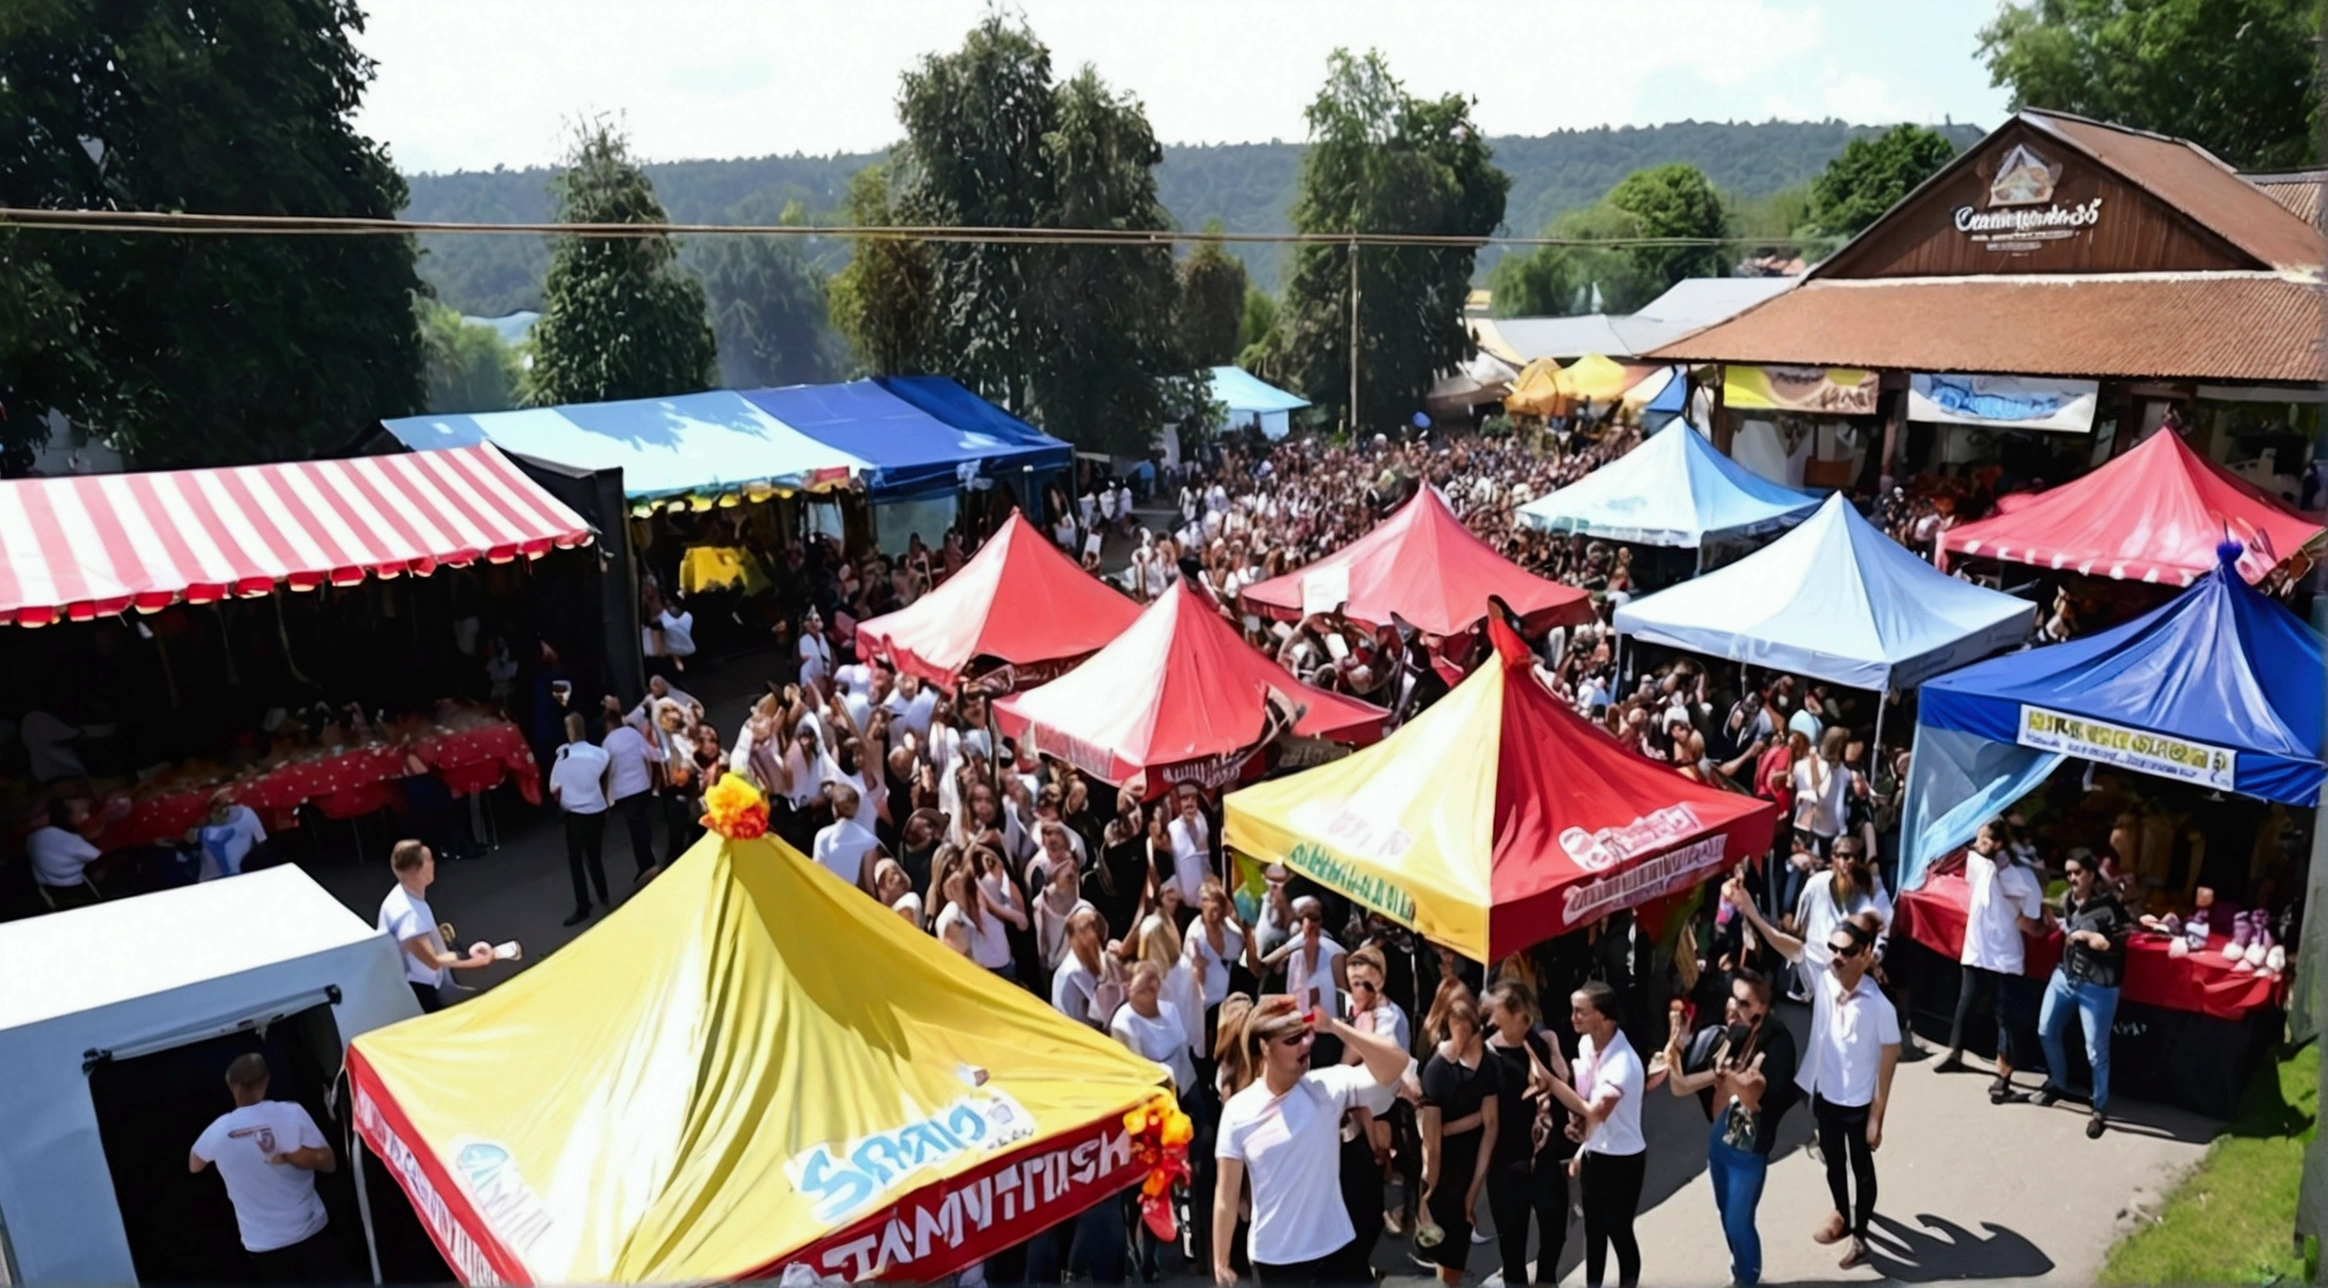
(750,1066)
(1536,390)
(1545,388)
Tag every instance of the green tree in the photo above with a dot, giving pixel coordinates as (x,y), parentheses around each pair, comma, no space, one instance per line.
(1382,161)
(1674,200)
(1212,303)
(470,368)
(2236,77)
(1871,175)
(620,317)
(768,306)
(1546,282)
(193,350)
(1257,318)
(881,299)
(1571,279)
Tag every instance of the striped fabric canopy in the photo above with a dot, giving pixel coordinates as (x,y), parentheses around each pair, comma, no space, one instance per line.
(84,546)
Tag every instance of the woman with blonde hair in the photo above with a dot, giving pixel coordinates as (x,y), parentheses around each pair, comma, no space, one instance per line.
(1158,945)
(896,892)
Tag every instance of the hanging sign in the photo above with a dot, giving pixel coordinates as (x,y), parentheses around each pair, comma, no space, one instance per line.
(1828,391)
(2136,749)
(2003,402)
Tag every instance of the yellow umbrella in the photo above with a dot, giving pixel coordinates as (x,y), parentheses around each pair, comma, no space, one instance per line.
(1536,390)
(749,1066)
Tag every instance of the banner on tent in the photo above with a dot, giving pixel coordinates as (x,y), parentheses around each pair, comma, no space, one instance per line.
(1829,391)
(2007,402)
(2137,749)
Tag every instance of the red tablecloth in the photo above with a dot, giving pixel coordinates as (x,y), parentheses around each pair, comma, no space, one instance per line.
(2203,982)
(345,784)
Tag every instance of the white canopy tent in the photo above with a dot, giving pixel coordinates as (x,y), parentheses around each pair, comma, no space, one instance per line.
(1672,490)
(1834,600)
(139,976)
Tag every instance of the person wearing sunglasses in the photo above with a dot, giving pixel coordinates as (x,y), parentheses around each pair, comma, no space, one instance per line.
(1846,1067)
(2094,926)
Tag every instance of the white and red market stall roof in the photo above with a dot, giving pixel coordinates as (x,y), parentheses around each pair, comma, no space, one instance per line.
(86,546)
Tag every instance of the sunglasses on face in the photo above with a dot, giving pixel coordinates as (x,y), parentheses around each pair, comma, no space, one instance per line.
(1844,949)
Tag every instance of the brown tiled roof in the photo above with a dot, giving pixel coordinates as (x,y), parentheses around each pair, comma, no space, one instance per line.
(2189,178)
(2298,194)
(2214,326)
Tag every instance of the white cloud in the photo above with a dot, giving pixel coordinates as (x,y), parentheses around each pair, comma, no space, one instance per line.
(474,83)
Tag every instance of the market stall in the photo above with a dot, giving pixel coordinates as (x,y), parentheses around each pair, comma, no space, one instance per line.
(1835,600)
(1423,565)
(2154,514)
(1497,819)
(2219,691)
(1672,490)
(1018,606)
(1176,697)
(1544,388)
(749,1071)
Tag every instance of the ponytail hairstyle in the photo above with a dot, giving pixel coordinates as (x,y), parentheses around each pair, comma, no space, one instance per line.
(1229,1041)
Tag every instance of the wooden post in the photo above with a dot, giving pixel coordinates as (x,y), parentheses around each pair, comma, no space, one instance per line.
(1720,415)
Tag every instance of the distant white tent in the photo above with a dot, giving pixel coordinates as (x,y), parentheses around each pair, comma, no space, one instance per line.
(140,976)
(1672,490)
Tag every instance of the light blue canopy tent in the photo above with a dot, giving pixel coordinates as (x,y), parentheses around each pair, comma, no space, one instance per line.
(1834,600)
(1254,401)
(1672,490)
(695,444)
(918,451)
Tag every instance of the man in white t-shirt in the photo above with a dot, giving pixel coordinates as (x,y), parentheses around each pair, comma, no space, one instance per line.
(1283,1134)
(406,918)
(61,853)
(845,847)
(2006,900)
(578,783)
(910,706)
(232,831)
(1191,835)
(268,1152)
(631,757)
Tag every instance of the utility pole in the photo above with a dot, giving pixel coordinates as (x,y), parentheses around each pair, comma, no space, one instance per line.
(1353,339)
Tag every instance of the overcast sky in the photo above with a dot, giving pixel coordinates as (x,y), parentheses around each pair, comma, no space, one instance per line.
(470,84)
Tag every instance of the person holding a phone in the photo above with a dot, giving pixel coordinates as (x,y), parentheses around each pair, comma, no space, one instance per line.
(1743,1073)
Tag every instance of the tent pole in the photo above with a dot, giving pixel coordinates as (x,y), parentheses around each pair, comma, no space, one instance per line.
(1875,751)
(364,1199)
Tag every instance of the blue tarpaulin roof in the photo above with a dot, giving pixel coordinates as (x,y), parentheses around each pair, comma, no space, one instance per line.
(1672,490)
(2221,665)
(694,443)
(1242,392)
(917,432)
(1834,600)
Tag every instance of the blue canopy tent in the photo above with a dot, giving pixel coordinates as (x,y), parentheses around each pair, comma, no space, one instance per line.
(923,436)
(1672,490)
(1254,401)
(2221,686)
(695,445)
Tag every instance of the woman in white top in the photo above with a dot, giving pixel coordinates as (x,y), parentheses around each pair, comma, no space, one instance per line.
(816,652)
(1822,786)
(1612,1158)
(1055,907)
(1158,944)
(1151,1025)
(1089,983)
(1189,836)
(969,903)
(1215,942)
(896,892)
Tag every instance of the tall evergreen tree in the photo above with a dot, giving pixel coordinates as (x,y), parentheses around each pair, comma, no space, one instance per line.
(620,317)
(194,350)
(1382,161)
(1674,200)
(768,307)
(1212,303)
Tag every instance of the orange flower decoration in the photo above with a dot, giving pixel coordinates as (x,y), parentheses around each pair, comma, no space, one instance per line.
(1159,1138)
(735,809)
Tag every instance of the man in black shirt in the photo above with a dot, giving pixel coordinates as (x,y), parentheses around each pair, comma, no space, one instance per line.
(2094,926)
(1743,1072)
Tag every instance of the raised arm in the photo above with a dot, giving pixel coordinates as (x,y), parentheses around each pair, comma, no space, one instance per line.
(1788,946)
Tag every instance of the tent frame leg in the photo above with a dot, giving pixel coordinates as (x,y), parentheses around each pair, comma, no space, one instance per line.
(364,1200)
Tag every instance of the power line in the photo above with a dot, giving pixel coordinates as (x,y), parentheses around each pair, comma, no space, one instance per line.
(184,223)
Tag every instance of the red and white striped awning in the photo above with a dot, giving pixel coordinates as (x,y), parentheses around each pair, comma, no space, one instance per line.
(85,546)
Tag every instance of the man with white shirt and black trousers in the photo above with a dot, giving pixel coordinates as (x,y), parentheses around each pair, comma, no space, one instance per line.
(1282,1134)
(406,918)
(2006,902)
(630,784)
(268,1152)
(1846,1067)
(578,783)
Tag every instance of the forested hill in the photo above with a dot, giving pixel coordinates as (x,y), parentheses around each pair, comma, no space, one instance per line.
(1249,187)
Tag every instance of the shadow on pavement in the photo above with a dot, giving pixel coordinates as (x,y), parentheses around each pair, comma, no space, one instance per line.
(1945,1250)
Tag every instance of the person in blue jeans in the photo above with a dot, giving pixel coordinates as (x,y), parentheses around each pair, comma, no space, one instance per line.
(1743,1072)
(2094,926)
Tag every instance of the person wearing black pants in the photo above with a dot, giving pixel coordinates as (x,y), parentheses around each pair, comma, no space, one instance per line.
(1612,1158)
(1846,1066)
(578,783)
(1609,1186)
(1529,1174)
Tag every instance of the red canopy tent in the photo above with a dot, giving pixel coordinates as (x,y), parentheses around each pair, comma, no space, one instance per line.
(1177,696)
(1018,601)
(2155,514)
(1498,818)
(1424,565)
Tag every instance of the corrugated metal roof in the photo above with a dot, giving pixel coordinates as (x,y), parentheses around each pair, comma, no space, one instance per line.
(2189,178)
(2225,327)
(2298,194)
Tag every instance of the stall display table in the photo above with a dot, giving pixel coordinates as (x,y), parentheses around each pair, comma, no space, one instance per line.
(346,783)
(2188,1029)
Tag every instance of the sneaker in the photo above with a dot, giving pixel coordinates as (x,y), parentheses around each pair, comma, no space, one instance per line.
(1479,1236)
(2048,1096)
(1953,1062)
(1424,1263)
(2095,1125)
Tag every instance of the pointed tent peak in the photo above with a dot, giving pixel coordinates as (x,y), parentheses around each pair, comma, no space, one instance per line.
(1503,628)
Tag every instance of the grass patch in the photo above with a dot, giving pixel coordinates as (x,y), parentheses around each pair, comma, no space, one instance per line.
(2230,1220)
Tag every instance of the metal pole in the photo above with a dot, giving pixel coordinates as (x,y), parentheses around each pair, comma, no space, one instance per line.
(364,1200)
(1353,338)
